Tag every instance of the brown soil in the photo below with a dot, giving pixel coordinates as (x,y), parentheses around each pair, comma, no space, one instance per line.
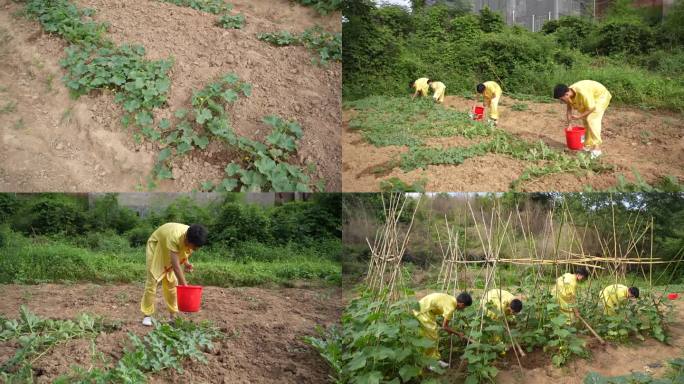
(628,135)
(264,328)
(649,356)
(53,143)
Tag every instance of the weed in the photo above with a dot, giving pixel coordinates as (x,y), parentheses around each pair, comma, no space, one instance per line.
(232,22)
(215,7)
(323,6)
(327,45)
(520,107)
(9,107)
(48,82)
(19,124)
(663,184)
(395,184)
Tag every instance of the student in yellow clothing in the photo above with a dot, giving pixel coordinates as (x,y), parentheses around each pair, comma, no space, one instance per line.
(439,88)
(421,86)
(614,295)
(439,304)
(167,248)
(503,302)
(591,99)
(491,95)
(565,291)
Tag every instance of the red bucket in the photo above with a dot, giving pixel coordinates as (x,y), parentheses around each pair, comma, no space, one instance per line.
(575,137)
(672,296)
(478,113)
(189,297)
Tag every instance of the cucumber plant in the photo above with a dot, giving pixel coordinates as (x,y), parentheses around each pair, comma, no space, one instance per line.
(323,7)
(216,7)
(327,45)
(232,21)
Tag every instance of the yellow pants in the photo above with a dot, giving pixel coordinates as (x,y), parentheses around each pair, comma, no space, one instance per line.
(439,95)
(493,107)
(431,331)
(169,283)
(593,122)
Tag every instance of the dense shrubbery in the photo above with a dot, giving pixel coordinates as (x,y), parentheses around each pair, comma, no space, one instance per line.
(634,55)
(56,237)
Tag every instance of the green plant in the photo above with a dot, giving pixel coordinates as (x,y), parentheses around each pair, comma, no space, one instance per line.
(323,6)
(395,184)
(378,342)
(36,336)
(232,21)
(327,45)
(215,7)
(163,348)
(9,107)
(66,19)
(520,107)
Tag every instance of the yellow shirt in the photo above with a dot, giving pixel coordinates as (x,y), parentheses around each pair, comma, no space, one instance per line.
(566,286)
(613,295)
(436,304)
(500,299)
(169,237)
(421,85)
(492,90)
(437,86)
(587,94)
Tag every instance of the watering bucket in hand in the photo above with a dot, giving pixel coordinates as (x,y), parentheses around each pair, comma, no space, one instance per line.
(575,137)
(189,297)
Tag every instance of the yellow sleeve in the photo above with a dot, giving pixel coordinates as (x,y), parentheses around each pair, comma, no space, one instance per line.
(565,287)
(448,309)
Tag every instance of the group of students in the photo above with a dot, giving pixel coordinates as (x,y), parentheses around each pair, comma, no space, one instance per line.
(498,302)
(589,98)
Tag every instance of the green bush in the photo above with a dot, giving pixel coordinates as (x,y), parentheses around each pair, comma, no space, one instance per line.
(622,37)
(8,205)
(51,214)
(239,222)
(139,235)
(184,210)
(107,214)
(569,31)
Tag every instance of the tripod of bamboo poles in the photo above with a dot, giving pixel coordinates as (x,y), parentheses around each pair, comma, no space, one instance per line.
(387,250)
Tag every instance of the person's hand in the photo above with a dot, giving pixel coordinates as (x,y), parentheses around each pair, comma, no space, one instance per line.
(189,267)
(575,117)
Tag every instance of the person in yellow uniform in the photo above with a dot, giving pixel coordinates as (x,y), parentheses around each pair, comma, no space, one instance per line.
(439,90)
(591,99)
(491,95)
(167,248)
(502,301)
(614,295)
(565,291)
(421,86)
(439,304)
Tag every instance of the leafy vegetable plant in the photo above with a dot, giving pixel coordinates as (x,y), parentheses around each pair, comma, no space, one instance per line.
(232,21)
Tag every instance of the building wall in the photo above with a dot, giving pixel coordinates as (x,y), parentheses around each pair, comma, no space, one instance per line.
(526,12)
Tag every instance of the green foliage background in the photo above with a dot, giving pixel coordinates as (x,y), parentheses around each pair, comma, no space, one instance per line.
(58,237)
(636,56)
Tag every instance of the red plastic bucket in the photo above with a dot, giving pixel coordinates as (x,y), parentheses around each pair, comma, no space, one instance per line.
(189,297)
(478,113)
(575,137)
(672,296)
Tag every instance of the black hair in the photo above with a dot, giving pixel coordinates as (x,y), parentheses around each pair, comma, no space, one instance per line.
(480,88)
(431,80)
(197,235)
(560,90)
(516,305)
(582,271)
(634,291)
(464,297)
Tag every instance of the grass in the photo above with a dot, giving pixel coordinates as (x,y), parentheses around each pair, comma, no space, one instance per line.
(387,121)
(9,107)
(39,260)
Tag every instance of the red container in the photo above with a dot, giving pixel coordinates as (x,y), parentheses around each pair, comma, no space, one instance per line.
(189,297)
(672,296)
(575,137)
(478,113)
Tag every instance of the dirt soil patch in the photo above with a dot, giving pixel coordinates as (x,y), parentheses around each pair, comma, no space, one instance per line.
(652,143)
(264,328)
(54,143)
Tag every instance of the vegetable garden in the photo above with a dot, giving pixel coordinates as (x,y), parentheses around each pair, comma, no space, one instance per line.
(379,340)
(217,129)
